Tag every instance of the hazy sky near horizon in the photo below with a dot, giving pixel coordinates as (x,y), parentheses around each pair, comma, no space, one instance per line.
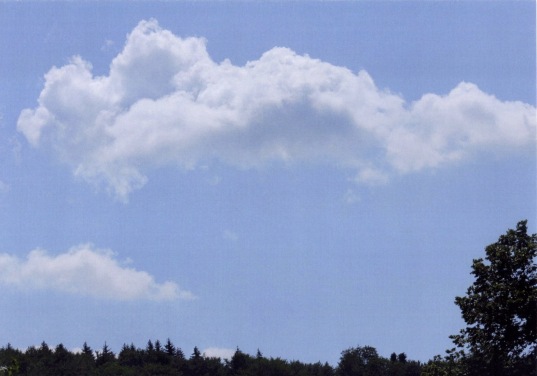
(294,177)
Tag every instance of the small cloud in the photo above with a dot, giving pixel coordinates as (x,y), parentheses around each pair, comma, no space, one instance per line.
(371,176)
(16,148)
(230,235)
(214,180)
(86,271)
(4,187)
(107,45)
(218,352)
(351,197)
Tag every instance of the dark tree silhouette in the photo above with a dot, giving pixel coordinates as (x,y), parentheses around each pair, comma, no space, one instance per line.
(500,308)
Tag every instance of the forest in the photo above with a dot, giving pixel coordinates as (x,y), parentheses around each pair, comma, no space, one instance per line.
(500,337)
(157,359)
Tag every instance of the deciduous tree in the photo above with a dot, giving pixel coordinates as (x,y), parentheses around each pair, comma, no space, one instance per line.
(500,308)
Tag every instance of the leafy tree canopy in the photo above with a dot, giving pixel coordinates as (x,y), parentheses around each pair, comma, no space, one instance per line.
(500,308)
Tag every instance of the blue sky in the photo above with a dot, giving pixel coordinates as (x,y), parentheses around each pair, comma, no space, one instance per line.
(298,177)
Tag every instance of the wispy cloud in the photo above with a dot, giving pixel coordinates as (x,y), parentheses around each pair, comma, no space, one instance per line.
(230,235)
(351,197)
(84,270)
(165,101)
(107,45)
(4,187)
(218,352)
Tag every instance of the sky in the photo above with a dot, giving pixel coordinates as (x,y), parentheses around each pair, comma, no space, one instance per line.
(294,177)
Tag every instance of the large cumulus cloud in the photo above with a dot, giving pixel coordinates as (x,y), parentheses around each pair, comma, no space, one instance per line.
(165,101)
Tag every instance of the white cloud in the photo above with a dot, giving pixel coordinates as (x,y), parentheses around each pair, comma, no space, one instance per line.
(165,101)
(218,352)
(86,271)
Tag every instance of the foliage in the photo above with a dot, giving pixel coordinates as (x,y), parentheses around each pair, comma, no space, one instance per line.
(500,308)
(439,366)
(365,361)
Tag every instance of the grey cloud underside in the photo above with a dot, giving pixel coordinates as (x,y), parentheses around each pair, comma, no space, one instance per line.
(165,101)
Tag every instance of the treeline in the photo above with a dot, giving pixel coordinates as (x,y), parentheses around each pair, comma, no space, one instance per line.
(158,359)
